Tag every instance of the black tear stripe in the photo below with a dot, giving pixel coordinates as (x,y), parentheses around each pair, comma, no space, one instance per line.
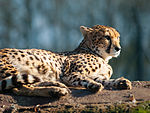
(110,43)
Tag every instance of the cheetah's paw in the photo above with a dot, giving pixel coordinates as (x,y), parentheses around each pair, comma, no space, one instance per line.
(95,87)
(123,84)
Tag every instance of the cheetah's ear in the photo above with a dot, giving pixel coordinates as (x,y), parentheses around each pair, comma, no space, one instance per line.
(84,30)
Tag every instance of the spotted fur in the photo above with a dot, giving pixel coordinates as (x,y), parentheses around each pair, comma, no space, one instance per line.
(36,72)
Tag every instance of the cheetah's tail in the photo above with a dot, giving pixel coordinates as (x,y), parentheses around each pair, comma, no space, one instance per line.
(17,80)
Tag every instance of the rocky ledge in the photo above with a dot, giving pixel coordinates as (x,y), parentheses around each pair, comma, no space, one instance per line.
(81,100)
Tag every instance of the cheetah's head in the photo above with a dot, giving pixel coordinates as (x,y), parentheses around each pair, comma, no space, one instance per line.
(102,40)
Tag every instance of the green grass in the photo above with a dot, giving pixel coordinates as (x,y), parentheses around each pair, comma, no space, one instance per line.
(116,108)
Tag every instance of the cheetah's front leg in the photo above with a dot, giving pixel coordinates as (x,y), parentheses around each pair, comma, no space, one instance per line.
(120,83)
(82,81)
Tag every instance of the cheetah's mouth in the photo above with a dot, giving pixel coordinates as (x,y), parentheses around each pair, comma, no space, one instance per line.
(116,54)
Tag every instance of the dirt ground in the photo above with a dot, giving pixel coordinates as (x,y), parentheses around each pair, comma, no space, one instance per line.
(78,99)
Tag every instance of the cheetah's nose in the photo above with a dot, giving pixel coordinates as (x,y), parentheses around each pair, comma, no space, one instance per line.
(117,48)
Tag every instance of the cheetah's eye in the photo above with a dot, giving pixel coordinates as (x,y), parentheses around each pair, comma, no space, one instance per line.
(107,37)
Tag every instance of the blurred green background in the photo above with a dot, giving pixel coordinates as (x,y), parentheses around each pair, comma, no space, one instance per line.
(54,25)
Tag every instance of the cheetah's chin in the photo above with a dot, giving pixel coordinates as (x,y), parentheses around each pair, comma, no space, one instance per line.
(116,54)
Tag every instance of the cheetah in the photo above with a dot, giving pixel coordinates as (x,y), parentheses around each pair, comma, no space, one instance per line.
(36,72)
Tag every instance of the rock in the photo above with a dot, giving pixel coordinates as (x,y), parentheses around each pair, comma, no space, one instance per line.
(83,100)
